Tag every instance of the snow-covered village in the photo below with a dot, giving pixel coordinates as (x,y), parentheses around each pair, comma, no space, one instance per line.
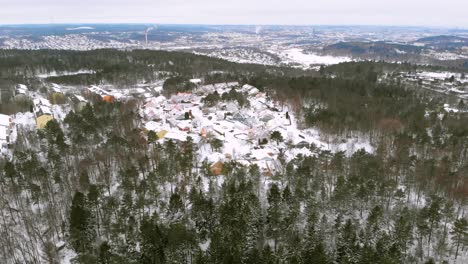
(260,131)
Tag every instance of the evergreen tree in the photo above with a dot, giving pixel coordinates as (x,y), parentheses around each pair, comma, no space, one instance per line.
(153,242)
(460,234)
(81,235)
(276,136)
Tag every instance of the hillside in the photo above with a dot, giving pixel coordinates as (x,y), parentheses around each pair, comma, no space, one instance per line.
(375,50)
(444,42)
(168,157)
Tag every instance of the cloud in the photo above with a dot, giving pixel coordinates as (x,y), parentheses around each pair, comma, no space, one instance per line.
(332,12)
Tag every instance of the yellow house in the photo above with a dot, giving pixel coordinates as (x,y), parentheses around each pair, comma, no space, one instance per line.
(161,134)
(43,111)
(41,121)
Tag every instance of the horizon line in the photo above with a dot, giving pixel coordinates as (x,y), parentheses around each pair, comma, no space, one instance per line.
(235,24)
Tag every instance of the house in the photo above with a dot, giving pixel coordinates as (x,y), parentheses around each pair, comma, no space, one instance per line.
(43,112)
(108,98)
(151,125)
(206,89)
(265,117)
(155,102)
(178,137)
(6,121)
(96,90)
(230,107)
(6,126)
(184,126)
(21,92)
(42,101)
(185,116)
(196,81)
(251,90)
(43,116)
(152,114)
(56,95)
(161,134)
(79,102)
(56,88)
(4,137)
(207,132)
(105,95)
(241,119)
(302,144)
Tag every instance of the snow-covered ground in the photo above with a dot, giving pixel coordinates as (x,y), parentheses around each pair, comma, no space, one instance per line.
(80,28)
(297,55)
(241,55)
(56,74)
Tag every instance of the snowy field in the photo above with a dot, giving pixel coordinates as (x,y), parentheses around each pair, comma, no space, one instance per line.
(57,74)
(297,55)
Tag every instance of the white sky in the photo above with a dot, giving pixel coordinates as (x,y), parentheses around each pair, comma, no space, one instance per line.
(453,13)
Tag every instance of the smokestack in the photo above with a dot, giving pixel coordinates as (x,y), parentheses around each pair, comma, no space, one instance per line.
(146,34)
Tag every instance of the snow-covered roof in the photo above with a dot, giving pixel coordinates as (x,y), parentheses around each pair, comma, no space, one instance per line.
(21,86)
(155,101)
(253,91)
(97,90)
(263,154)
(154,126)
(195,81)
(43,110)
(41,101)
(81,98)
(140,90)
(265,117)
(232,106)
(176,136)
(247,87)
(56,88)
(3,133)
(21,89)
(5,120)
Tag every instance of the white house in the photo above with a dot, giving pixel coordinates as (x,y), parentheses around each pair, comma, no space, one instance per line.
(6,126)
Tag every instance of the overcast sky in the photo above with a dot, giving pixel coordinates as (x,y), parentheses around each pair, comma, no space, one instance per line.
(452,13)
